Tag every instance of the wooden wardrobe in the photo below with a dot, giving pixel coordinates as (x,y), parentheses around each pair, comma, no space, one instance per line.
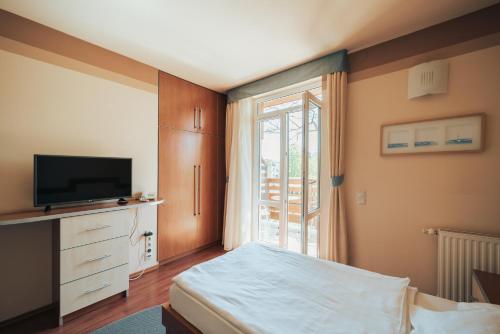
(191,173)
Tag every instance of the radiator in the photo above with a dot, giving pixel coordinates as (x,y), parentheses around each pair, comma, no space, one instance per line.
(458,254)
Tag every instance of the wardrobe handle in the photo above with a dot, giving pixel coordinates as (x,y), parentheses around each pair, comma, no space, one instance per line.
(199,192)
(194,192)
(194,117)
(199,117)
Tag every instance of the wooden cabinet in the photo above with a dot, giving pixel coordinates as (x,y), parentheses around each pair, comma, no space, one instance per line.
(207,111)
(189,167)
(177,185)
(186,106)
(207,201)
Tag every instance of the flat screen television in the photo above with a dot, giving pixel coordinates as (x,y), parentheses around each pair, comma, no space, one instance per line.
(70,179)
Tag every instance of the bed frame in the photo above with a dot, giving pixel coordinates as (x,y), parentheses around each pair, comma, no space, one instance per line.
(175,322)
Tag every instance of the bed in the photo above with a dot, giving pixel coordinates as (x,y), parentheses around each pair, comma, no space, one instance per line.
(261,289)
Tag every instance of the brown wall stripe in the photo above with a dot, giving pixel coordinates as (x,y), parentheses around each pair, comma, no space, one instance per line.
(443,37)
(29,32)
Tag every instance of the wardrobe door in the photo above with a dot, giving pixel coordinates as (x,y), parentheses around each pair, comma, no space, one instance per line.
(207,104)
(207,214)
(177,183)
(177,103)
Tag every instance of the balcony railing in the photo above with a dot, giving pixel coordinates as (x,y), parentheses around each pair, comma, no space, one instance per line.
(270,190)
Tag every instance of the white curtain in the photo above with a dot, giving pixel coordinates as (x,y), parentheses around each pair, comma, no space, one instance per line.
(238,218)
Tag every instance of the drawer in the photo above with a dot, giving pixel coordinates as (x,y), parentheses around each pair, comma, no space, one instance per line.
(86,260)
(87,229)
(86,291)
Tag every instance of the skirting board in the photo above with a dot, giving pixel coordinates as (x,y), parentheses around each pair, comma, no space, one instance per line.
(191,252)
(152,268)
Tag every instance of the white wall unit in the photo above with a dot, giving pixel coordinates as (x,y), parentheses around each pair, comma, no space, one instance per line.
(87,229)
(93,259)
(91,248)
(86,291)
(90,259)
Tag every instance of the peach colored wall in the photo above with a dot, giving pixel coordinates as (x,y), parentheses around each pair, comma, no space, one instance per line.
(50,109)
(408,193)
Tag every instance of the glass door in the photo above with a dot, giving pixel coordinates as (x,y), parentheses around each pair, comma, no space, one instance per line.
(311,179)
(289,163)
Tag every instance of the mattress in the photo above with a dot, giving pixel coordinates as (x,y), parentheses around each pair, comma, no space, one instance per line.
(227,295)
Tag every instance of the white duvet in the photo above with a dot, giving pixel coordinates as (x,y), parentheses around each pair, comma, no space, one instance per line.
(262,289)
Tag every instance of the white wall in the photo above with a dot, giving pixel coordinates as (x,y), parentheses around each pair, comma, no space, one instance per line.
(48,109)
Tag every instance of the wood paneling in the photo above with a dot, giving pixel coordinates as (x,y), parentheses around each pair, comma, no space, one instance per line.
(207,210)
(189,161)
(207,105)
(186,106)
(177,223)
(177,103)
(34,216)
(150,290)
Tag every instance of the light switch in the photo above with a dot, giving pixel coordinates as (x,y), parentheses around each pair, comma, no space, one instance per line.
(361,198)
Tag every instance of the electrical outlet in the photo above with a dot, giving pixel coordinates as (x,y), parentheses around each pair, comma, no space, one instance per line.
(361,198)
(148,244)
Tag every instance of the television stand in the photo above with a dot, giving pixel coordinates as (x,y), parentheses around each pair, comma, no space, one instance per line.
(83,232)
(47,208)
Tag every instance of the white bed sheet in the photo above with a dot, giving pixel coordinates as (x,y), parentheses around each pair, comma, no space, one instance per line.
(209,322)
(228,294)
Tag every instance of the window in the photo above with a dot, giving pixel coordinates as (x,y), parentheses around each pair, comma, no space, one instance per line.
(288,152)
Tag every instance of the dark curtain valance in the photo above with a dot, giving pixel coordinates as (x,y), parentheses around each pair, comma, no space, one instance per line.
(334,62)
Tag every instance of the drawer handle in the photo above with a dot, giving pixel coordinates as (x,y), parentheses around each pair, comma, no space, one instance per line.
(98,228)
(99,258)
(105,285)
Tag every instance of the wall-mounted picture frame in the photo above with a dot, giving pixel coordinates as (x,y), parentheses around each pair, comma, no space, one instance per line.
(463,133)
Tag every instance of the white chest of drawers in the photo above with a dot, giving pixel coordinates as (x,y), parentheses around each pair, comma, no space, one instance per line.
(93,259)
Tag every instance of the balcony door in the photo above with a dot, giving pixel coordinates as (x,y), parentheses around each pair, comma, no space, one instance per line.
(288,162)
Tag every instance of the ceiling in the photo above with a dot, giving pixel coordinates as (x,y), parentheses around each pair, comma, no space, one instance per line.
(221,44)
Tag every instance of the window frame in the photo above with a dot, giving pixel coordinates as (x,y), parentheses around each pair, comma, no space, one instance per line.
(282,204)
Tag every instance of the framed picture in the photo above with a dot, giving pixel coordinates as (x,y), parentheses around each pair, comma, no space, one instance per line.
(451,134)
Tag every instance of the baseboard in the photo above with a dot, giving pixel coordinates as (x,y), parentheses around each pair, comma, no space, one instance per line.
(152,268)
(189,253)
(27,315)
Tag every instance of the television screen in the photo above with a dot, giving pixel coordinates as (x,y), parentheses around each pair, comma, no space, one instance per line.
(69,179)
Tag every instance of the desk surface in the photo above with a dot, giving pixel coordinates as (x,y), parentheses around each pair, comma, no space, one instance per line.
(57,213)
(490,285)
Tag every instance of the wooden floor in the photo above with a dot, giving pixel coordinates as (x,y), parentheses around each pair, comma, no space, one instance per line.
(150,290)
